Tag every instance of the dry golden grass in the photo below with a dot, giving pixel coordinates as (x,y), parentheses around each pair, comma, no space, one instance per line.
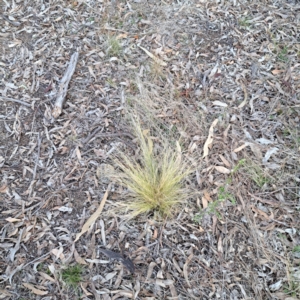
(155,183)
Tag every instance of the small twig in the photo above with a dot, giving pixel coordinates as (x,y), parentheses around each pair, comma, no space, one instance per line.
(64,83)
(86,141)
(38,156)
(14,100)
(114,29)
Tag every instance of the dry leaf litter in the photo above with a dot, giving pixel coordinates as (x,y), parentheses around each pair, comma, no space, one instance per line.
(223,75)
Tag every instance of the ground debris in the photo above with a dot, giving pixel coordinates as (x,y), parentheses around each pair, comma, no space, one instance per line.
(222,85)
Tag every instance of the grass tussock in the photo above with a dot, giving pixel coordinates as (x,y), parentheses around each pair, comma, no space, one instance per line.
(72,276)
(114,47)
(155,181)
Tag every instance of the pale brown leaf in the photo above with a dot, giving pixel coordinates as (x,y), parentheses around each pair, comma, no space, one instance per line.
(185,269)
(47,277)
(220,246)
(35,290)
(58,252)
(3,189)
(78,154)
(150,270)
(225,161)
(12,220)
(222,170)
(79,259)
(4,294)
(260,212)
(207,195)
(245,96)
(276,71)
(87,293)
(204,202)
(240,148)
(94,216)
(156,59)
(172,288)
(219,103)
(209,138)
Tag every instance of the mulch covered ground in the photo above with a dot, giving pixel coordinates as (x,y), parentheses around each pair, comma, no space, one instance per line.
(220,76)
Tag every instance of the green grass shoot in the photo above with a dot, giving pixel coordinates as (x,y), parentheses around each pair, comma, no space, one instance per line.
(114,47)
(72,276)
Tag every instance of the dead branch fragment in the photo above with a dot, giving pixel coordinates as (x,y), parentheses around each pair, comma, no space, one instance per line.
(2,98)
(64,86)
